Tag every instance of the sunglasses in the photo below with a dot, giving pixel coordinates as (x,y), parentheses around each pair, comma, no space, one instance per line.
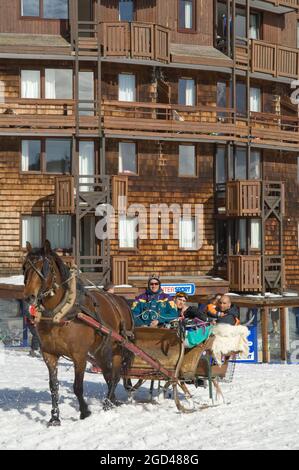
(154,283)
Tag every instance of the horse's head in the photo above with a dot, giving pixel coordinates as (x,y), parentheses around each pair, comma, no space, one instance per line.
(40,274)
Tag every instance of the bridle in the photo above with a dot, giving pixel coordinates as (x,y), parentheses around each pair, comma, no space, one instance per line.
(43,292)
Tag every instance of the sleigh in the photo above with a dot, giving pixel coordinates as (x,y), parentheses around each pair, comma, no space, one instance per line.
(160,356)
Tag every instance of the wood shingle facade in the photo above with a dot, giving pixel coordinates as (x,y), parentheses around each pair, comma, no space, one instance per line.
(163,102)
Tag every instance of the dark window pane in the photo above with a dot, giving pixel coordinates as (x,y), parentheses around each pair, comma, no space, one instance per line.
(31,150)
(30,7)
(221,95)
(220,166)
(186,14)
(240,23)
(240,164)
(58,156)
(241,99)
(126,10)
(56,9)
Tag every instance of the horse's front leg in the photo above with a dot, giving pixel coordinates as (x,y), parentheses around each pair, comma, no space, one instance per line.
(112,378)
(51,362)
(80,365)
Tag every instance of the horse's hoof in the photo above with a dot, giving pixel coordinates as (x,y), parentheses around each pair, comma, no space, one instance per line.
(107,404)
(54,422)
(85,415)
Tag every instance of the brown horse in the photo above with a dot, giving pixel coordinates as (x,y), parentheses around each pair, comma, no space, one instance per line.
(47,284)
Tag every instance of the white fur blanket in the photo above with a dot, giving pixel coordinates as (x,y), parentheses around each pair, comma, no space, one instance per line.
(230,339)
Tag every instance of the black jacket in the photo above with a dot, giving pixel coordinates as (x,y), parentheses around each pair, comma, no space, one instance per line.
(230,316)
(195,312)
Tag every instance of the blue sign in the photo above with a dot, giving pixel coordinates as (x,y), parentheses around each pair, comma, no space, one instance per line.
(253,344)
(172,289)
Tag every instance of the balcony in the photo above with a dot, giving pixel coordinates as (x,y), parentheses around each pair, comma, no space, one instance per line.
(144,41)
(267,58)
(243,198)
(167,120)
(47,115)
(245,273)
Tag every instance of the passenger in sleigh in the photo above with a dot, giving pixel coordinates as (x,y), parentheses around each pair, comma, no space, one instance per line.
(186,312)
(153,308)
(220,310)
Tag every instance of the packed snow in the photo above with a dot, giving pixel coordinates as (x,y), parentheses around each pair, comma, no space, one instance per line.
(261,413)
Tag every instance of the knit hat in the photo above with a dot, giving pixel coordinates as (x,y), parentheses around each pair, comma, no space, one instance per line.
(151,278)
(181,295)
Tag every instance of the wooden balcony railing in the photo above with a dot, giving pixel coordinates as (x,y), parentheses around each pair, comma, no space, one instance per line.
(264,57)
(167,119)
(284,3)
(137,40)
(56,116)
(243,198)
(245,273)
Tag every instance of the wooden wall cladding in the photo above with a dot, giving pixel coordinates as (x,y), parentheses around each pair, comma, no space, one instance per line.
(19,194)
(12,22)
(156,185)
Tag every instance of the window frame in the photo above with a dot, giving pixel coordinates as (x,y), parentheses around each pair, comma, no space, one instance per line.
(195,175)
(124,173)
(192,30)
(43,159)
(136,242)
(195,91)
(136,87)
(182,249)
(134,13)
(41,13)
(22,216)
(43,218)
(42,71)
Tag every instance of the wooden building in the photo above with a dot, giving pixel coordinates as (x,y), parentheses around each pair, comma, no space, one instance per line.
(163,102)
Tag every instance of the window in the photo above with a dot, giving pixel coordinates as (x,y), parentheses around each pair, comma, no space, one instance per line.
(186,92)
(30,8)
(240,25)
(255,165)
(186,15)
(58,155)
(127,87)
(221,173)
(187,239)
(255,100)
(240,164)
(126,10)
(255,234)
(127,232)
(59,84)
(59,231)
(127,158)
(86,93)
(255,24)
(31,155)
(187,160)
(30,84)
(31,231)
(241,99)
(48,9)
(86,165)
(55,9)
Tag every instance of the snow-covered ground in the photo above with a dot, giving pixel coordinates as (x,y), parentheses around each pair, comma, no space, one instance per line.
(262,413)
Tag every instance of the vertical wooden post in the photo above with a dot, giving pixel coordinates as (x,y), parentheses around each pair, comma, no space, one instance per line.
(283,333)
(265,324)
